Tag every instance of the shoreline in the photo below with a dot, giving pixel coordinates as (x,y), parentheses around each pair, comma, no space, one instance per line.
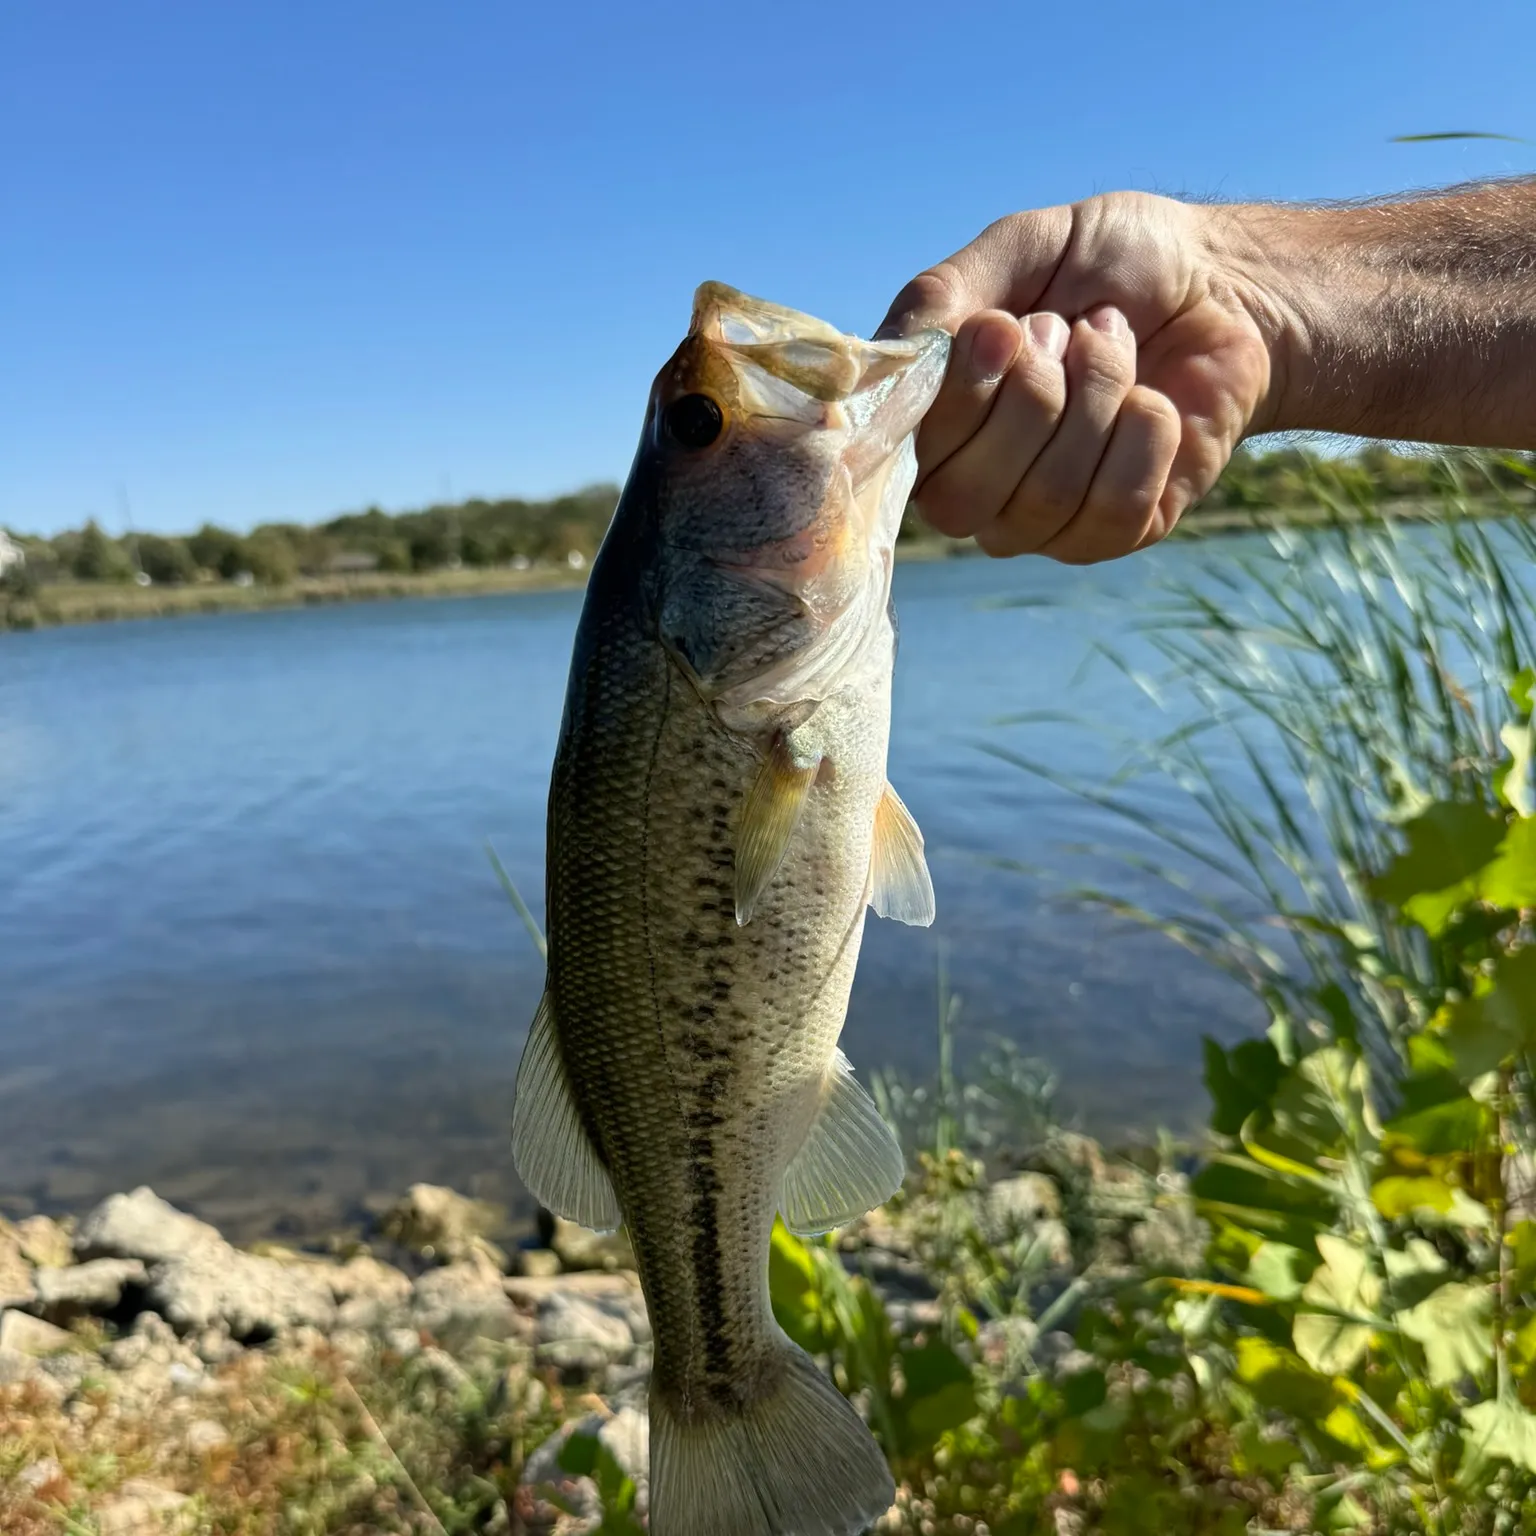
(75,603)
(148,1366)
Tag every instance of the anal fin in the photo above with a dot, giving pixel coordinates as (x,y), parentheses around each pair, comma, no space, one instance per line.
(551,1150)
(769,815)
(850,1161)
(900,885)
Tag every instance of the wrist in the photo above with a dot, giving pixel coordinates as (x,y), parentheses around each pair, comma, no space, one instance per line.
(1269,261)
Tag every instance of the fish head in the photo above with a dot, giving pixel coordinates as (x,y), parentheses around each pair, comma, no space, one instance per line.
(780,461)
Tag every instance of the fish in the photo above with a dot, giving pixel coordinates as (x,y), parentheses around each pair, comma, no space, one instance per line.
(719,824)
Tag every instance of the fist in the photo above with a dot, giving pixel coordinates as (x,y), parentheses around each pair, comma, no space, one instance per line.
(1108,358)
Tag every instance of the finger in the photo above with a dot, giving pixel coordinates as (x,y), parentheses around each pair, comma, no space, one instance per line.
(984,350)
(971,485)
(1122,509)
(1100,370)
(1007,266)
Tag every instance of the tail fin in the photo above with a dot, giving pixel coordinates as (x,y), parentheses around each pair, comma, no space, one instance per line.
(798,1462)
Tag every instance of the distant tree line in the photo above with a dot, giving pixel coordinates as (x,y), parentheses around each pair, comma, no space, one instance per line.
(470,533)
(489,533)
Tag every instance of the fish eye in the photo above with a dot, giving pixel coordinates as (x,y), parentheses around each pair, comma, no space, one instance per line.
(693,421)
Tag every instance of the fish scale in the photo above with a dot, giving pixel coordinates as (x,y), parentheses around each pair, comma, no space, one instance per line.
(719,823)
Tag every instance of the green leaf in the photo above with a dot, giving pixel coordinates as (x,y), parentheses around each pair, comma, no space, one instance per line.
(1413,1271)
(1437,1117)
(578,1455)
(1512,782)
(1333,1338)
(1397,1195)
(1278,1379)
(1483,1031)
(1446,846)
(793,1290)
(1084,1391)
(1280,1271)
(1521,690)
(1510,879)
(1240,1081)
(930,1367)
(1454,1324)
(942,1411)
(1522,1238)
(1435,138)
(1501,1430)
(1240,1190)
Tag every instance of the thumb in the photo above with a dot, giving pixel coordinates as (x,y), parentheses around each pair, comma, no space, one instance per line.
(1008,266)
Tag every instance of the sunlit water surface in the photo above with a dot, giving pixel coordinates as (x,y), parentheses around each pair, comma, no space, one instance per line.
(252,950)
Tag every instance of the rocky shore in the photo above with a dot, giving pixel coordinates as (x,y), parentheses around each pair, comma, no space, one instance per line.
(154,1378)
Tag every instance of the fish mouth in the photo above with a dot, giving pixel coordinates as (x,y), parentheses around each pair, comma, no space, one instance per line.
(780,364)
(783,372)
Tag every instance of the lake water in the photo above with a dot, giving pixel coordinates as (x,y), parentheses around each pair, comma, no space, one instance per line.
(253,953)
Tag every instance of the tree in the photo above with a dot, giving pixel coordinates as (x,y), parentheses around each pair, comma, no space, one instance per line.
(98,558)
(167,562)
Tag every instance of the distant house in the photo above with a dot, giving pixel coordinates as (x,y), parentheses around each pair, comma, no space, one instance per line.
(11,553)
(351,563)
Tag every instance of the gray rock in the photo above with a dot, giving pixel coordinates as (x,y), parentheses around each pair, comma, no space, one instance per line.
(517,1390)
(579,1249)
(1011,1205)
(143,1226)
(16,1368)
(625,1435)
(598,1321)
(364,1277)
(45,1242)
(92,1287)
(449,1373)
(441,1224)
(204,1436)
(464,1298)
(537,1263)
(252,1297)
(125,1353)
(575,1359)
(1172,1240)
(32,1336)
(143,1508)
(15,1271)
(38,1474)
(405,1342)
(530,1290)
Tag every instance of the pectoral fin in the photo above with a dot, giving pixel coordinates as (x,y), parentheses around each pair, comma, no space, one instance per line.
(551,1150)
(769,816)
(849,1164)
(901,887)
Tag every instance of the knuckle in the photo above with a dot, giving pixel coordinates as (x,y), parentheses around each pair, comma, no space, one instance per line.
(1046,498)
(1103,376)
(944,505)
(1039,385)
(1002,540)
(939,293)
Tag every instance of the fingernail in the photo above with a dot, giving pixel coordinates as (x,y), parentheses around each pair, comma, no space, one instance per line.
(1110,321)
(1050,333)
(993,349)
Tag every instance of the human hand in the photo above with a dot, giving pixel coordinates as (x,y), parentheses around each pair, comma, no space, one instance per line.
(1108,358)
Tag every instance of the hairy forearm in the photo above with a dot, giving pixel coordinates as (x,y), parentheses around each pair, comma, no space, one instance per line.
(1411,319)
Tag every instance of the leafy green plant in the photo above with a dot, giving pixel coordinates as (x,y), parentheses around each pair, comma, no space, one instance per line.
(1371,879)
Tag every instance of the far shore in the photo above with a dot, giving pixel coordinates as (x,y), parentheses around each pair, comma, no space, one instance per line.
(98,602)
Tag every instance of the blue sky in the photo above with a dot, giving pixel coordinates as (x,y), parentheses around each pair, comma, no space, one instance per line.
(280,260)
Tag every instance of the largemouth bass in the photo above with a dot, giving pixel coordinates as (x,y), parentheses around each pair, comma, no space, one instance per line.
(719,823)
